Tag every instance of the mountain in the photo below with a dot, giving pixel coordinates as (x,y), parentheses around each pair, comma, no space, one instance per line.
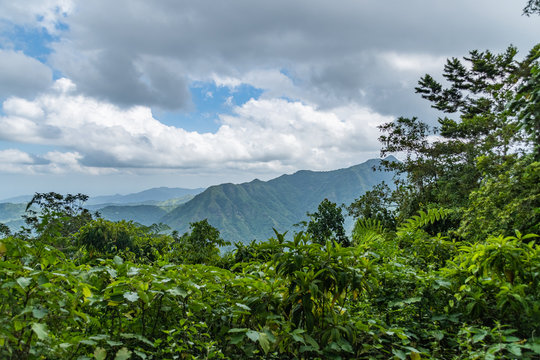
(146,197)
(145,207)
(143,214)
(23,199)
(249,211)
(11,215)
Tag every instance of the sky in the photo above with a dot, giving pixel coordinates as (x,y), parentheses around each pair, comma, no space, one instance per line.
(104,97)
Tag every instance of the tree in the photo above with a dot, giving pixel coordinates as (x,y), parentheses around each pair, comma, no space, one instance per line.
(376,204)
(201,245)
(533,7)
(327,224)
(58,216)
(527,100)
(4,230)
(107,237)
(440,164)
(505,203)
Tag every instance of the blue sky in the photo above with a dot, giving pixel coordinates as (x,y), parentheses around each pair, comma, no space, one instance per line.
(114,97)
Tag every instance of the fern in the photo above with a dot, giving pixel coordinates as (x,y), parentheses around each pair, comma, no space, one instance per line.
(367,230)
(422,219)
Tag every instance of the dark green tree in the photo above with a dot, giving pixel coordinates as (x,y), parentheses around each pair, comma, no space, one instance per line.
(527,100)
(532,7)
(440,163)
(107,237)
(377,204)
(57,217)
(327,224)
(4,230)
(201,244)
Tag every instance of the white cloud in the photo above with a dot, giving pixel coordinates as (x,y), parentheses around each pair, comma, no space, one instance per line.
(14,156)
(21,75)
(271,134)
(416,63)
(14,161)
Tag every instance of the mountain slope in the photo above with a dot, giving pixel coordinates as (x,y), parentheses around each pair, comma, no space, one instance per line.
(146,197)
(143,214)
(250,210)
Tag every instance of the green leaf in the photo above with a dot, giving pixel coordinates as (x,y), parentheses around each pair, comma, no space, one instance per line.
(237,339)
(264,341)
(252,335)
(118,260)
(123,354)
(176,291)
(399,354)
(88,342)
(237,330)
(40,330)
(140,354)
(39,313)
(245,307)
(100,353)
(24,282)
(17,325)
(114,343)
(535,347)
(514,349)
(131,296)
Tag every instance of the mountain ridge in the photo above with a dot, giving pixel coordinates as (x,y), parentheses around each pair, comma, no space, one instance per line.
(250,210)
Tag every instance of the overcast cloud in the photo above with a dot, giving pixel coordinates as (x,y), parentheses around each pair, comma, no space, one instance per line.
(329,72)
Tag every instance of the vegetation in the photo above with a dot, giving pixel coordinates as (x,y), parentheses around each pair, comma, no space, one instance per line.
(444,266)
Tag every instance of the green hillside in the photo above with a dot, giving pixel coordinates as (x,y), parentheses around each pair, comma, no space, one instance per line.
(142,214)
(249,211)
(10,212)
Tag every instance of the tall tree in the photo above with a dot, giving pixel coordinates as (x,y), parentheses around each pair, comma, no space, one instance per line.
(440,165)
(327,224)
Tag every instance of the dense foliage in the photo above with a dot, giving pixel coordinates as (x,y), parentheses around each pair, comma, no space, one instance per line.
(444,266)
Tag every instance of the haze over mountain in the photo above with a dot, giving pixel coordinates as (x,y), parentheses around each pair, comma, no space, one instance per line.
(241,212)
(150,196)
(250,210)
(145,207)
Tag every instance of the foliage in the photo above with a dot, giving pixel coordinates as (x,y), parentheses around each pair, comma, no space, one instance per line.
(532,7)
(4,230)
(527,100)
(440,163)
(201,245)
(391,294)
(504,203)
(58,217)
(376,204)
(327,223)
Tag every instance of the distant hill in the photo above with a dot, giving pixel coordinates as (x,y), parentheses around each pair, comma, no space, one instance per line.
(23,199)
(145,207)
(146,197)
(143,214)
(250,210)
(11,215)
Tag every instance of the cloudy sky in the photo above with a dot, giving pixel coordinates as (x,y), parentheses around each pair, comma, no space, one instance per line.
(118,96)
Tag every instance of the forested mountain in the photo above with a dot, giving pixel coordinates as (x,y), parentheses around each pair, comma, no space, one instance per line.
(142,214)
(10,214)
(249,211)
(242,212)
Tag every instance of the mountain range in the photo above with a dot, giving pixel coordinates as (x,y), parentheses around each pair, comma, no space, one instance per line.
(250,210)
(241,212)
